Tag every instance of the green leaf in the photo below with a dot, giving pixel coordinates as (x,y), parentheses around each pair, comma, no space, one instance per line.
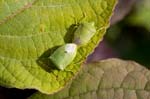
(141,15)
(30,31)
(107,79)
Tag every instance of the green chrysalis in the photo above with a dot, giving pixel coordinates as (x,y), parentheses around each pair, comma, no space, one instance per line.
(64,55)
(84,32)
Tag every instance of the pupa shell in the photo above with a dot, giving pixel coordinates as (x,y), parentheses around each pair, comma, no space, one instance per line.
(64,55)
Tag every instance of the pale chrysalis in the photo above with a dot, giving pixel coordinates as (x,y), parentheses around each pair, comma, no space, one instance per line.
(64,55)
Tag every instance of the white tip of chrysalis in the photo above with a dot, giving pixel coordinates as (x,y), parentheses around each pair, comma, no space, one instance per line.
(92,24)
(61,67)
(70,48)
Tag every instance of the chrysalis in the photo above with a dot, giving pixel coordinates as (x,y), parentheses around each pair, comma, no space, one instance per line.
(64,55)
(84,33)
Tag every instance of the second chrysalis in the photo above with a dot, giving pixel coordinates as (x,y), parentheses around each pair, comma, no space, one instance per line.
(84,32)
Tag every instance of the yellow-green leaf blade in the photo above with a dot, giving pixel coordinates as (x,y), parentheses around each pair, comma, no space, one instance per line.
(32,31)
